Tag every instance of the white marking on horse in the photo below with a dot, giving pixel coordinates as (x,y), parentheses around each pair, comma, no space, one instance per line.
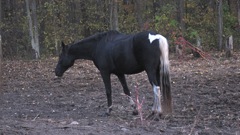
(153,37)
(157,99)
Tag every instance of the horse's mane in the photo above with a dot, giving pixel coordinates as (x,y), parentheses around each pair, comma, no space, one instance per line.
(107,36)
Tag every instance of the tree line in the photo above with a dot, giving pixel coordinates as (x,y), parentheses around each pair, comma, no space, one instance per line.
(35,28)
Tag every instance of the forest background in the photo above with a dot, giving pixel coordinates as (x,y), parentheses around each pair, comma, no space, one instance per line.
(35,28)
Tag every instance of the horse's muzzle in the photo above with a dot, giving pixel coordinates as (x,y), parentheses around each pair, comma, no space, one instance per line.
(58,74)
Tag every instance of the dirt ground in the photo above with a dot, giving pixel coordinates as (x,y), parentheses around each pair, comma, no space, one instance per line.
(206,100)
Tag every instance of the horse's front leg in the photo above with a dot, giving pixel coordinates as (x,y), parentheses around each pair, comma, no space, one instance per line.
(107,83)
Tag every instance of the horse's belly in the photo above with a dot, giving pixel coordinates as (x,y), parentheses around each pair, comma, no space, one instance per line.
(134,71)
(127,67)
(124,59)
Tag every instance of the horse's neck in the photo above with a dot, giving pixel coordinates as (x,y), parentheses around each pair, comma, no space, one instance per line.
(83,50)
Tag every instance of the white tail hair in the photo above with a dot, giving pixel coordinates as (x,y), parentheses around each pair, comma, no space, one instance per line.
(164,75)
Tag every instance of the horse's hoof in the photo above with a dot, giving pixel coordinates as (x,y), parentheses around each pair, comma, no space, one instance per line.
(106,114)
(135,112)
(156,116)
(57,79)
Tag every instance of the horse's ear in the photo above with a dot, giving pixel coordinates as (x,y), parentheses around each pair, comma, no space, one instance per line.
(63,47)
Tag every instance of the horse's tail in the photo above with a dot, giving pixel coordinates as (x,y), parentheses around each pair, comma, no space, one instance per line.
(164,76)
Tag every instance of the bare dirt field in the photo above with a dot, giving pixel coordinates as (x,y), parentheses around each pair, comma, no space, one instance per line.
(206,100)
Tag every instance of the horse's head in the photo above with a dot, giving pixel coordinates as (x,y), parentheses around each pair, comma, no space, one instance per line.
(65,61)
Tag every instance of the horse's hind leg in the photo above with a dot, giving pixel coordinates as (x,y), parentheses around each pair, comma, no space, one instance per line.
(154,80)
(122,79)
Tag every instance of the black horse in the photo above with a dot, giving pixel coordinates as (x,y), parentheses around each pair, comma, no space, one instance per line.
(120,54)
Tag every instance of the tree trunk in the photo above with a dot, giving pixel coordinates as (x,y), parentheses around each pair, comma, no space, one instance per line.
(180,14)
(220,25)
(1,57)
(229,46)
(33,29)
(84,15)
(199,45)
(113,15)
(238,10)
(179,51)
(139,13)
(35,26)
(1,54)
(110,14)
